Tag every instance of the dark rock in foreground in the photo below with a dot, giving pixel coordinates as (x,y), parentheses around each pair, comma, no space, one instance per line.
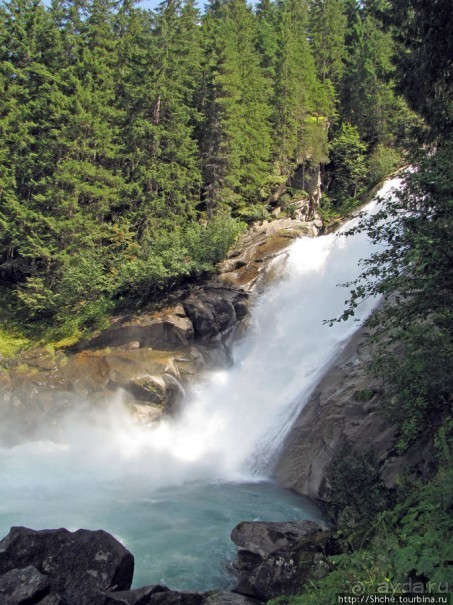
(25,585)
(59,567)
(74,565)
(228,598)
(279,558)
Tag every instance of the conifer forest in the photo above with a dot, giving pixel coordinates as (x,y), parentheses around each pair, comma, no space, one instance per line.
(135,144)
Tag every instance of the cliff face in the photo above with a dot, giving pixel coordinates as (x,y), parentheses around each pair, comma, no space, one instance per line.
(344,416)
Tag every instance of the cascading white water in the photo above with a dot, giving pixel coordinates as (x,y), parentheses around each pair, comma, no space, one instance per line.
(99,469)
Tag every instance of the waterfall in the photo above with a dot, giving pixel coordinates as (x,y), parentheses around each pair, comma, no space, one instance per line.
(97,467)
(238,418)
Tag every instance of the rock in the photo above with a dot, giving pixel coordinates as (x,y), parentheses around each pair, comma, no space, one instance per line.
(212,312)
(5,384)
(151,595)
(23,586)
(87,371)
(279,558)
(40,358)
(332,418)
(131,365)
(146,413)
(248,263)
(77,564)
(228,598)
(172,597)
(174,394)
(263,538)
(283,573)
(52,599)
(344,415)
(138,596)
(164,330)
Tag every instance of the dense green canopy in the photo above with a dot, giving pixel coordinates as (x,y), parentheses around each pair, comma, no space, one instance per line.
(132,141)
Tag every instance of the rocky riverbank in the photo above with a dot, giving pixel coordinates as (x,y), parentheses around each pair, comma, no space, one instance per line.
(153,356)
(58,567)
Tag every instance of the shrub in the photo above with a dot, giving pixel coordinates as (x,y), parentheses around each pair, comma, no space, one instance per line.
(382,162)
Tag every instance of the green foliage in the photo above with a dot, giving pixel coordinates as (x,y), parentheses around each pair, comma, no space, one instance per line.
(419,381)
(367,91)
(11,343)
(123,129)
(328,28)
(358,491)
(413,270)
(365,394)
(382,162)
(406,548)
(208,243)
(300,95)
(235,133)
(424,49)
(347,165)
(168,255)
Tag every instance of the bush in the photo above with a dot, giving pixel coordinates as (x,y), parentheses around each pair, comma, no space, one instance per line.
(347,167)
(382,162)
(208,243)
(11,343)
(418,381)
(357,491)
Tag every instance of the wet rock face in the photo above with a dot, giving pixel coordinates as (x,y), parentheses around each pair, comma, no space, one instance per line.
(215,312)
(248,262)
(344,415)
(280,558)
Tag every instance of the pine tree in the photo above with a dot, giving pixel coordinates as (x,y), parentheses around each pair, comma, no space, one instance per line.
(31,109)
(267,39)
(328,28)
(161,59)
(424,37)
(300,95)
(235,132)
(367,97)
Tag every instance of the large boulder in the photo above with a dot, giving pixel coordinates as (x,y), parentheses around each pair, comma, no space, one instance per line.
(263,538)
(74,565)
(279,558)
(164,330)
(214,311)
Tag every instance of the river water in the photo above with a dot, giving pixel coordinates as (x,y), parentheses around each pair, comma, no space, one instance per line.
(172,493)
